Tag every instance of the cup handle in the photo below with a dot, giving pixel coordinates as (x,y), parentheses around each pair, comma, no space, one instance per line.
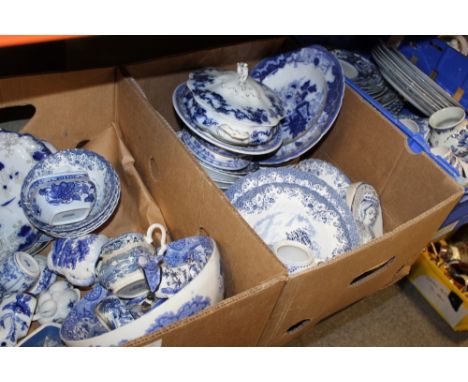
(149,236)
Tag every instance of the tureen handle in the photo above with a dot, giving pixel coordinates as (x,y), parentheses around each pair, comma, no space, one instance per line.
(242,71)
(149,236)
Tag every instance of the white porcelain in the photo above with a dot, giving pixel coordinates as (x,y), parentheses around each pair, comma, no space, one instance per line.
(46,276)
(19,153)
(235,96)
(294,255)
(18,273)
(16,313)
(76,258)
(449,128)
(119,270)
(54,304)
(82,328)
(62,198)
(364,202)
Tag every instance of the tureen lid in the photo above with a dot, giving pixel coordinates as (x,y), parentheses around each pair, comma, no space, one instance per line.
(236,96)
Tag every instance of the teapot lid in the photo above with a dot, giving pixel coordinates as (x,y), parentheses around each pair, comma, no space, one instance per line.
(236,96)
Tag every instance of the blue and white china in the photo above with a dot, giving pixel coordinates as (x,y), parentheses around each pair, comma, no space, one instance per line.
(449,128)
(44,336)
(100,173)
(323,61)
(62,199)
(283,211)
(330,174)
(296,256)
(301,84)
(18,273)
(300,178)
(235,96)
(76,258)
(119,269)
(46,276)
(54,304)
(364,202)
(447,154)
(18,154)
(228,176)
(16,313)
(183,102)
(82,327)
(416,124)
(207,153)
(113,313)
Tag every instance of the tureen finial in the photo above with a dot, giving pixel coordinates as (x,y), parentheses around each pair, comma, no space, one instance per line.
(242,71)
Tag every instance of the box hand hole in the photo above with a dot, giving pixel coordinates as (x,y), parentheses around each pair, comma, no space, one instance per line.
(371,272)
(298,326)
(15,118)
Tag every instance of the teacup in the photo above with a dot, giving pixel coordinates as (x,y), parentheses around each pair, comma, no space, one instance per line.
(113,313)
(76,258)
(119,269)
(46,276)
(54,304)
(17,309)
(63,198)
(18,273)
(294,255)
(449,129)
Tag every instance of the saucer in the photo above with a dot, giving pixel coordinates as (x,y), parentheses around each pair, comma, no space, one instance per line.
(19,153)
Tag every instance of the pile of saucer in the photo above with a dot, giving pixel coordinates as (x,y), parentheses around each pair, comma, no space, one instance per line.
(230,118)
(367,76)
(412,84)
(236,123)
(309,213)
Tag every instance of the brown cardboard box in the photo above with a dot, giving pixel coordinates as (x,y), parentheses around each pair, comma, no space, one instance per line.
(109,114)
(415,194)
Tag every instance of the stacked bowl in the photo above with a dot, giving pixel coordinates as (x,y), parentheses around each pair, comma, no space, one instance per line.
(230,118)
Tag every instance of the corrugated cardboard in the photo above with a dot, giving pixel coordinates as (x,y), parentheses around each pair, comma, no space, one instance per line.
(416,195)
(160,182)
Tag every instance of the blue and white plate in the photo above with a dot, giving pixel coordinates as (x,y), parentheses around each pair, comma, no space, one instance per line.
(303,179)
(183,100)
(331,175)
(209,154)
(302,86)
(416,124)
(19,153)
(82,322)
(241,100)
(322,60)
(44,336)
(281,211)
(100,173)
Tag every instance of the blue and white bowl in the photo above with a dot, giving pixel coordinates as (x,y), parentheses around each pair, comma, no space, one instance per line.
(416,124)
(19,153)
(82,327)
(314,124)
(183,102)
(100,173)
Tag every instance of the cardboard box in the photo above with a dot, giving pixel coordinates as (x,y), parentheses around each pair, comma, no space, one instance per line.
(416,195)
(439,290)
(103,110)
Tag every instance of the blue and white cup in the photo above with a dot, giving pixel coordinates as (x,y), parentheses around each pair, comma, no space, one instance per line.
(449,128)
(18,273)
(294,255)
(16,313)
(113,313)
(76,258)
(63,198)
(46,276)
(120,269)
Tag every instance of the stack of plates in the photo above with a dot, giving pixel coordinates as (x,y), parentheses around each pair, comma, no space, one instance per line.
(294,205)
(415,86)
(367,76)
(230,118)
